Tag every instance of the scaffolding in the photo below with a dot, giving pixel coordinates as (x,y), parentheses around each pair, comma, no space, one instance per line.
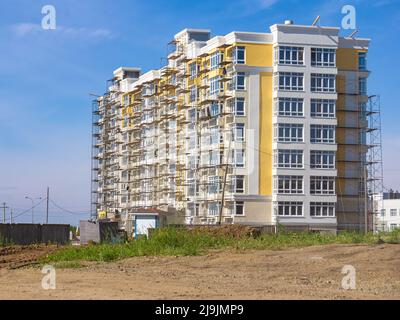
(374,161)
(162,151)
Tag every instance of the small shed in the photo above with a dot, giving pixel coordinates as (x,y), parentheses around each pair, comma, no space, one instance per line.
(145,219)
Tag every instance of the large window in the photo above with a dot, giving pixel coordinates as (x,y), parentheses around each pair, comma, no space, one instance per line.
(215,109)
(238,184)
(323,57)
(289,107)
(322,209)
(322,159)
(193,70)
(288,132)
(215,135)
(289,184)
(323,82)
(363,86)
(322,185)
(285,209)
(216,59)
(239,208)
(193,94)
(290,55)
(238,158)
(214,184)
(215,85)
(215,157)
(238,132)
(362,61)
(239,55)
(323,108)
(291,81)
(322,134)
(289,159)
(238,106)
(239,81)
(213,208)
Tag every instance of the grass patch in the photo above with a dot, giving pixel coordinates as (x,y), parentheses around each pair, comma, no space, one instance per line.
(183,242)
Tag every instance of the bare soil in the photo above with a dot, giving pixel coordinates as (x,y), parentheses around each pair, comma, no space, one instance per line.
(306,273)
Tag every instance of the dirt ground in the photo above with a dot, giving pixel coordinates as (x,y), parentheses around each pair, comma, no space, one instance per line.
(306,273)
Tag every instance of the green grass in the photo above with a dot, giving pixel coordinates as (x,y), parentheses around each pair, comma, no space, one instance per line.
(182,242)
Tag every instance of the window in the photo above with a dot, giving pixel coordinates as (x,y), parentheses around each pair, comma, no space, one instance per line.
(126,100)
(216,59)
(238,158)
(215,135)
(215,109)
(238,184)
(362,61)
(289,159)
(215,157)
(238,132)
(322,209)
(193,94)
(287,132)
(213,208)
(393,212)
(290,55)
(193,209)
(323,82)
(237,107)
(239,55)
(393,227)
(383,213)
(216,85)
(289,107)
(363,86)
(239,208)
(322,134)
(322,185)
(193,70)
(289,184)
(294,209)
(322,57)
(239,81)
(292,81)
(322,159)
(214,184)
(322,108)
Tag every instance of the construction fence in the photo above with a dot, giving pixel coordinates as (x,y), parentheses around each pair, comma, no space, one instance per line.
(26,234)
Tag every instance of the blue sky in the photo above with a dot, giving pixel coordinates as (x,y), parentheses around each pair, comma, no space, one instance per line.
(45,77)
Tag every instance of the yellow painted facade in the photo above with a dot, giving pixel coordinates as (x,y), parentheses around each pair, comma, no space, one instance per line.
(258,55)
(266,133)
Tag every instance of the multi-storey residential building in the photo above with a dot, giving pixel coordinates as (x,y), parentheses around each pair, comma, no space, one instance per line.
(256,128)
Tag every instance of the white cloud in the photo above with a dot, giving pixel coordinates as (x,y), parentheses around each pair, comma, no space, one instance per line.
(27,29)
(267,3)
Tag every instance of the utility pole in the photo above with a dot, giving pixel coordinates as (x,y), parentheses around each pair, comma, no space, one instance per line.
(4,207)
(47,206)
(11,215)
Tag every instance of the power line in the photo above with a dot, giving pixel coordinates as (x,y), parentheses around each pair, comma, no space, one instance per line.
(26,211)
(68,211)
